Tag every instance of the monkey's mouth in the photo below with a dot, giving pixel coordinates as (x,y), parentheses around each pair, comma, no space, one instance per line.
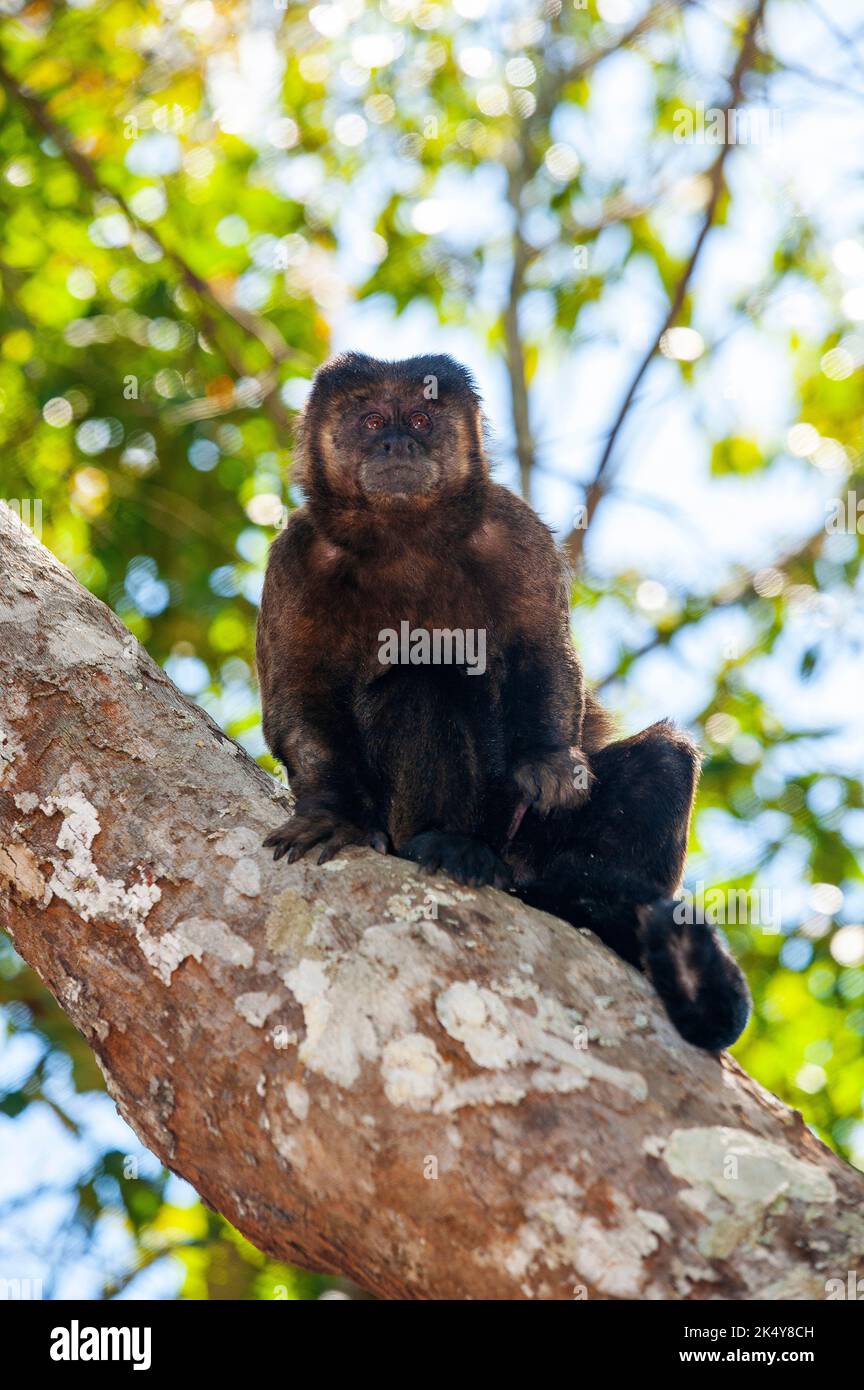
(392,478)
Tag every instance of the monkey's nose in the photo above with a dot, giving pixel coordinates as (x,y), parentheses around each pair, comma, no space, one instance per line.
(402,448)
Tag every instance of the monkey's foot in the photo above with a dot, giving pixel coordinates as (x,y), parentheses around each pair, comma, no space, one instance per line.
(301,833)
(469,861)
(557,779)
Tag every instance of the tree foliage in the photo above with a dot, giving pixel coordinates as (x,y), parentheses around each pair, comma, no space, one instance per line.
(192,196)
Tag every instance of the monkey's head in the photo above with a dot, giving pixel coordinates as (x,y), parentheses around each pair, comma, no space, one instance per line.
(391,437)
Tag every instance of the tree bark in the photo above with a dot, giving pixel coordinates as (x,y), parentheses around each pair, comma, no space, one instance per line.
(434,1091)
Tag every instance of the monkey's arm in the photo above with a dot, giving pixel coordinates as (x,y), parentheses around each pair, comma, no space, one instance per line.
(306,711)
(545,702)
(544,696)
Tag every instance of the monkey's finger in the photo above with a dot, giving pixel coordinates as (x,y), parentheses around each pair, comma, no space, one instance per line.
(276,837)
(375,839)
(304,845)
(291,847)
(340,839)
(305,840)
(527,782)
(294,841)
(282,845)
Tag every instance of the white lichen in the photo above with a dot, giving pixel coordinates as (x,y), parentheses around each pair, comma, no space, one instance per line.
(608,1257)
(240,840)
(77,880)
(480,1021)
(355,1003)
(738,1179)
(412,1071)
(744,1167)
(75,642)
(245,878)
(256,1006)
(297,1099)
(192,937)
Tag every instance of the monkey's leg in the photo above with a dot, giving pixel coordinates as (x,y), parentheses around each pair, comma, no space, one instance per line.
(614,865)
(333,807)
(435,744)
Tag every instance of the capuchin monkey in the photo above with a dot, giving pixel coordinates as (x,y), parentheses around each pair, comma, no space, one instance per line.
(420,686)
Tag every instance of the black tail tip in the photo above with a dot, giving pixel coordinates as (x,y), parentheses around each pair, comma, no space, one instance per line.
(702,987)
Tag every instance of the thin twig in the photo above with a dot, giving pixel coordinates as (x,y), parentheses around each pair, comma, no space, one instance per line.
(597,487)
(729,595)
(523,253)
(649,19)
(846,42)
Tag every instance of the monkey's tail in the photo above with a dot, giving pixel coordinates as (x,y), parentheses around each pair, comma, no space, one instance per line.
(701,984)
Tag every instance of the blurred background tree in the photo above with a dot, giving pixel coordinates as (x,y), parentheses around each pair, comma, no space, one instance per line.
(665,310)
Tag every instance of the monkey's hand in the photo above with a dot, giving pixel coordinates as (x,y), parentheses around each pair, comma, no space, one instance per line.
(554,779)
(320,826)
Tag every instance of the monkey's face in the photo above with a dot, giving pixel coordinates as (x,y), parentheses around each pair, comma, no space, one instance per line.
(395,447)
(392,434)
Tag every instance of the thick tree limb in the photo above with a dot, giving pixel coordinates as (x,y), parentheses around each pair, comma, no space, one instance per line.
(437,1092)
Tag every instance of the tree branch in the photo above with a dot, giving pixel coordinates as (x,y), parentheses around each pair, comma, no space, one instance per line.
(739,589)
(524,168)
(596,488)
(435,1091)
(648,21)
(517,372)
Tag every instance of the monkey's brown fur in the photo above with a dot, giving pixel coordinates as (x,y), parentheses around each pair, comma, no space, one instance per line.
(403,524)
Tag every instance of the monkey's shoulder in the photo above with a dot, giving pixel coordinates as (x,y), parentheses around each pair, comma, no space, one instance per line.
(300,551)
(511,527)
(513,542)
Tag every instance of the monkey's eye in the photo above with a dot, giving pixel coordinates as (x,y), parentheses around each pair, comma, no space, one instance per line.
(419,420)
(374,421)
